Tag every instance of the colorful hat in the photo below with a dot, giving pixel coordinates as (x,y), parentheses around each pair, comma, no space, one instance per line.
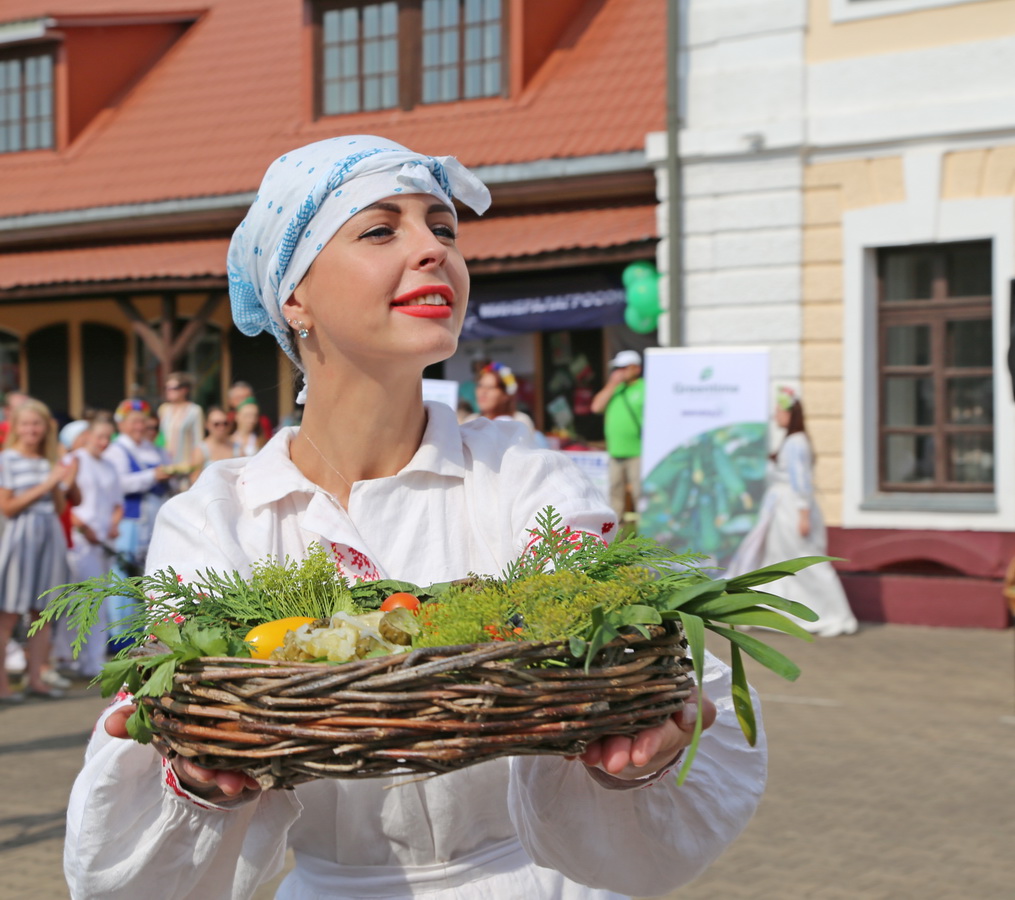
(131,404)
(785,398)
(506,376)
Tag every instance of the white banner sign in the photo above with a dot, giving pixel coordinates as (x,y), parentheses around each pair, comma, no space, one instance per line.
(704,447)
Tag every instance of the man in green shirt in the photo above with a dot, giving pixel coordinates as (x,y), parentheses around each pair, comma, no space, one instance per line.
(622,399)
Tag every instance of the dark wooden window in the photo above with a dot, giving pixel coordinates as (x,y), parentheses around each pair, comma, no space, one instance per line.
(26,100)
(401,53)
(936,428)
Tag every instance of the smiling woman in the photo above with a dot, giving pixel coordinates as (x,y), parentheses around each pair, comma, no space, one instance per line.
(348,257)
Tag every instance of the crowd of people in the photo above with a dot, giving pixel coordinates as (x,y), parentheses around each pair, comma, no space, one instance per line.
(80,501)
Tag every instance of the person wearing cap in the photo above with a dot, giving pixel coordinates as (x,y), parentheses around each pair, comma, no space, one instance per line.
(349,257)
(622,401)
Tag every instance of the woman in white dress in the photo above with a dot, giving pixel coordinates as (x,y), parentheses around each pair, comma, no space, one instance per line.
(95,527)
(349,258)
(790,524)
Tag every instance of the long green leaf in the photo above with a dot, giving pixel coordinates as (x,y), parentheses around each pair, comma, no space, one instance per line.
(742,698)
(771,659)
(777,570)
(706,590)
(638,615)
(694,631)
(720,606)
(766,618)
(781,603)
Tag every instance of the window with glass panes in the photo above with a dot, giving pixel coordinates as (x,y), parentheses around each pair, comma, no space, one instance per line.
(936,410)
(401,53)
(26,101)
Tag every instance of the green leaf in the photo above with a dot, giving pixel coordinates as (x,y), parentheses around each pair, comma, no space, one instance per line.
(694,631)
(167,632)
(707,590)
(714,607)
(790,606)
(160,681)
(777,570)
(771,659)
(767,618)
(637,615)
(577,647)
(139,725)
(115,674)
(742,698)
(207,640)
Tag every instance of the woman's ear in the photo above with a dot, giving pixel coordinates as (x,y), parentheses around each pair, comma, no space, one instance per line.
(294,310)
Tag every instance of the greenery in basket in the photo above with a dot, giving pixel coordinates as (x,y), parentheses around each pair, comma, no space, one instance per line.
(566,586)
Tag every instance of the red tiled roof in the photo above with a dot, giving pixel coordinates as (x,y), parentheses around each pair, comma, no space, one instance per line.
(503,237)
(226,99)
(123,262)
(530,234)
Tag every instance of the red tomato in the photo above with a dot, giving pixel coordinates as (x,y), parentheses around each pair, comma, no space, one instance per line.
(401,600)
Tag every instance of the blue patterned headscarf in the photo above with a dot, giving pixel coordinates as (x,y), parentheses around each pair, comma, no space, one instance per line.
(305,197)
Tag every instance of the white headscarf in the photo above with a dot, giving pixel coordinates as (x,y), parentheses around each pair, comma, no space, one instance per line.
(305,197)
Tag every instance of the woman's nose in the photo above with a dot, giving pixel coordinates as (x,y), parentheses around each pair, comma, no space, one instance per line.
(427,251)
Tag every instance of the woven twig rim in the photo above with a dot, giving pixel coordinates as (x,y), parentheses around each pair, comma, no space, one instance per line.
(432,710)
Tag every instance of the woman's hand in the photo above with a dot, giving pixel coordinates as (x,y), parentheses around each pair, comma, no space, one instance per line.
(805,522)
(214,785)
(648,751)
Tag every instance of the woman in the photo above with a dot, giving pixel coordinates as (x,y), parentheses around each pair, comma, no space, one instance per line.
(496,388)
(361,281)
(181,423)
(217,445)
(33,550)
(247,438)
(790,525)
(95,525)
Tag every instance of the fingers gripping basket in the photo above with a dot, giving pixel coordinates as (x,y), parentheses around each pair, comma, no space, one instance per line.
(433,710)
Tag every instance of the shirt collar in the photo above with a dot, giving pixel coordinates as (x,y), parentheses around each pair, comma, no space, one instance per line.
(271,474)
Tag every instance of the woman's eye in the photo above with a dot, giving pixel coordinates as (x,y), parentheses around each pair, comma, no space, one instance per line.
(444,231)
(378,231)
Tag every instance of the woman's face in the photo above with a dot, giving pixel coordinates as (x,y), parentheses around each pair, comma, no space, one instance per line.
(390,287)
(30,429)
(491,398)
(782,417)
(246,417)
(218,425)
(134,426)
(98,438)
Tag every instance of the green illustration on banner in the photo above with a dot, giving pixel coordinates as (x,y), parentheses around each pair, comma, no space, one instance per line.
(705,493)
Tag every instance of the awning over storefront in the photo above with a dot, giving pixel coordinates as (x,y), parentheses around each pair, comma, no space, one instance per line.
(553,301)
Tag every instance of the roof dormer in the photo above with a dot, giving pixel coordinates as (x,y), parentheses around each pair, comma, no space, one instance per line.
(57,74)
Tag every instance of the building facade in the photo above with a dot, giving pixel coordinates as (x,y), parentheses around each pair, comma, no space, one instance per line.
(132,141)
(848,200)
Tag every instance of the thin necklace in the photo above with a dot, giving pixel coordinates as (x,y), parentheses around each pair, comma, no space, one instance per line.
(323,457)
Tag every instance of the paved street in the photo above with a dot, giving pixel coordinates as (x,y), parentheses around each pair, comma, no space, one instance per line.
(893,759)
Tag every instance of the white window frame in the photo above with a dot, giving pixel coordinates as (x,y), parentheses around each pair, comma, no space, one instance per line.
(922,219)
(852,10)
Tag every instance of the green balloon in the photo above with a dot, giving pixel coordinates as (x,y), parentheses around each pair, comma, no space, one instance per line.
(643,297)
(639,323)
(637,271)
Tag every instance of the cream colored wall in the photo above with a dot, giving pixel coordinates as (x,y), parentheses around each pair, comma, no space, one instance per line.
(918,30)
(988,172)
(830,189)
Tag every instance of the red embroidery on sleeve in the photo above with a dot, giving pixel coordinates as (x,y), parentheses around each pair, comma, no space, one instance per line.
(174,785)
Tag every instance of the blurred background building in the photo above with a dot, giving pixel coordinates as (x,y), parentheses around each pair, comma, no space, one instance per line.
(843,193)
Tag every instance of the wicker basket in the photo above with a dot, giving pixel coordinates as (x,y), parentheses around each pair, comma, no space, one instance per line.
(432,710)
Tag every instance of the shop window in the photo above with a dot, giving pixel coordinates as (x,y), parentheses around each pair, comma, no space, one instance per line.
(103,361)
(26,100)
(936,410)
(401,53)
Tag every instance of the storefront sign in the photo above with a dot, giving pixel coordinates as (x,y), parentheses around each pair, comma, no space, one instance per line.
(586,299)
(704,447)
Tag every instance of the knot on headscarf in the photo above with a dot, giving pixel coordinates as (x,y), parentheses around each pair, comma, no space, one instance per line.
(305,197)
